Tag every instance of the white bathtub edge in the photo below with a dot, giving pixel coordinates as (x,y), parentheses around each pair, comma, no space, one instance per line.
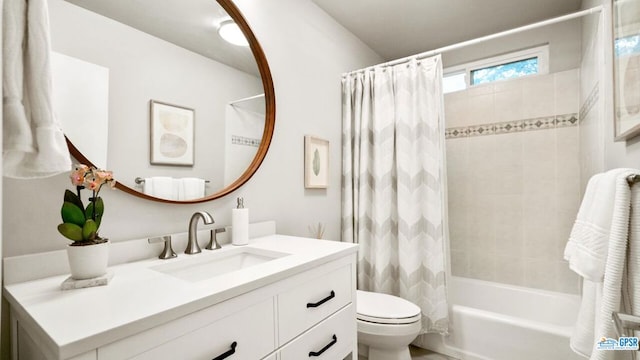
(527,315)
(564,331)
(438,343)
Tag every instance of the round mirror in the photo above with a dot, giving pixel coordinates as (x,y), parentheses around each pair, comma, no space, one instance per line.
(150,90)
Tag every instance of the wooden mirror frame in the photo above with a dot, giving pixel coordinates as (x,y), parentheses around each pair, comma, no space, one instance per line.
(269,124)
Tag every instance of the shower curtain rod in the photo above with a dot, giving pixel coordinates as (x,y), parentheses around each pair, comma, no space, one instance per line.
(593,10)
(246,99)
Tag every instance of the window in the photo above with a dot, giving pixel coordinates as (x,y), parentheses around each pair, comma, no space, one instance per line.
(627,45)
(454,82)
(505,71)
(509,66)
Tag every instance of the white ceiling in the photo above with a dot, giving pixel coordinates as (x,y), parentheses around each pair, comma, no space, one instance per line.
(398,28)
(191,24)
(392,28)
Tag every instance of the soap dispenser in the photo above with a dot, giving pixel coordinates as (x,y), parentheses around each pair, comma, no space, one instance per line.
(240,224)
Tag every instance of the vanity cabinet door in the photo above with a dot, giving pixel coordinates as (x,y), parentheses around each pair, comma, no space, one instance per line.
(330,340)
(307,304)
(26,347)
(248,334)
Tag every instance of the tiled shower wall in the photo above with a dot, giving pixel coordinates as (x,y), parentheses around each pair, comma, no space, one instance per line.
(514,179)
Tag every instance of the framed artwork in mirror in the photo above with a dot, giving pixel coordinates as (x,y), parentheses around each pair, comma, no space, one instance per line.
(172,134)
(626,68)
(316,163)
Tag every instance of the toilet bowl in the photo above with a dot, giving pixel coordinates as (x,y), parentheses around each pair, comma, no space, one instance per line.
(386,325)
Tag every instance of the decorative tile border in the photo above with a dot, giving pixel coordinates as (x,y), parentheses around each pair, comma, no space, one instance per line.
(591,100)
(567,120)
(241,140)
(549,122)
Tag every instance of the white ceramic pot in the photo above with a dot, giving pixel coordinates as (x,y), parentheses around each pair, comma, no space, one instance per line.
(90,261)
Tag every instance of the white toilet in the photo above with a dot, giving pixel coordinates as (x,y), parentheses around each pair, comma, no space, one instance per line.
(386,325)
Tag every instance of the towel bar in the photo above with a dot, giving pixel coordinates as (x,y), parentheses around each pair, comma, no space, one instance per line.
(623,322)
(140,180)
(632,179)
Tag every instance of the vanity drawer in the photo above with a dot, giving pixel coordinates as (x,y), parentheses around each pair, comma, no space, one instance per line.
(247,334)
(309,303)
(330,340)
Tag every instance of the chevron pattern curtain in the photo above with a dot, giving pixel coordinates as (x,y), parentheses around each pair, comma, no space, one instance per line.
(393,184)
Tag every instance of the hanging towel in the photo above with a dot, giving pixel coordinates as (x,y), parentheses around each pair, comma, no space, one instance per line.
(583,339)
(191,188)
(586,250)
(163,187)
(33,142)
(614,278)
(631,287)
(596,251)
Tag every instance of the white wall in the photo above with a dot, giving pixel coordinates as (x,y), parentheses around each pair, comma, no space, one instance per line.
(307,53)
(563,39)
(81,104)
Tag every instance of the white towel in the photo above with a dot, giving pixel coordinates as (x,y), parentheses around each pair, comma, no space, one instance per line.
(583,338)
(614,269)
(191,188)
(631,277)
(586,250)
(596,250)
(33,142)
(163,187)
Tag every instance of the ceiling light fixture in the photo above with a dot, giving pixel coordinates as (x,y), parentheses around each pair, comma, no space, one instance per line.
(230,32)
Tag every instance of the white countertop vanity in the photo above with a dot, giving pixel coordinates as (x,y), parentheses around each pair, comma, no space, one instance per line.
(278,298)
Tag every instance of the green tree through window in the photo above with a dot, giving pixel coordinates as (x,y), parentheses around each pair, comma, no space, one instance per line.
(505,71)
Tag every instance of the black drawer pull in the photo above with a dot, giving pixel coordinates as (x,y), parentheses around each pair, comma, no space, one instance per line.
(325,348)
(228,353)
(331,296)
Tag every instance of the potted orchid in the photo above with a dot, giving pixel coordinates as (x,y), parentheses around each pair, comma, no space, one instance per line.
(88,254)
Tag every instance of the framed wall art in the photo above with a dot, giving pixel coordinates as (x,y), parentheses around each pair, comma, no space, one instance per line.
(172,134)
(626,68)
(316,163)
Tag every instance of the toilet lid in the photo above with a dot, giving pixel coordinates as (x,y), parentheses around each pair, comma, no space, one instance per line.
(385,309)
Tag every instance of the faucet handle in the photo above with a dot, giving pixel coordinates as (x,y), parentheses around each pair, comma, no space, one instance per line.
(213,241)
(167,252)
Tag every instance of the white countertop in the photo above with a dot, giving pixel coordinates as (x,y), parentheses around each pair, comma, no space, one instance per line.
(138,298)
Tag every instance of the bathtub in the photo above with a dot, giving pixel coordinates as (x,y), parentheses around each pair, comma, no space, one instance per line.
(492,321)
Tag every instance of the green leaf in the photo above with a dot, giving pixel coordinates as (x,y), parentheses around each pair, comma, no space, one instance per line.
(316,162)
(71,213)
(99,210)
(89,230)
(70,196)
(71,231)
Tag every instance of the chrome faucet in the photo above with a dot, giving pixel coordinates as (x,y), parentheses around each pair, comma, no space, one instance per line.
(192,245)
(167,252)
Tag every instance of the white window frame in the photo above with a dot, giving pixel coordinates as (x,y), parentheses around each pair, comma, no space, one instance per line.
(540,52)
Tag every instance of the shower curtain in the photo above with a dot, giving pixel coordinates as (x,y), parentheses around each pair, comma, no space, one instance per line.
(393,185)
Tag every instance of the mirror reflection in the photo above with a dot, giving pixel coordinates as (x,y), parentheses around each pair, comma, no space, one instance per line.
(115,61)
(626,66)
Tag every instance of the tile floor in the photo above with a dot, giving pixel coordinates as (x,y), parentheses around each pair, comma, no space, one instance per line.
(422,354)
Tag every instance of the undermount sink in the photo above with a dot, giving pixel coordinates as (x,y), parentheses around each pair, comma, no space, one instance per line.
(206,266)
